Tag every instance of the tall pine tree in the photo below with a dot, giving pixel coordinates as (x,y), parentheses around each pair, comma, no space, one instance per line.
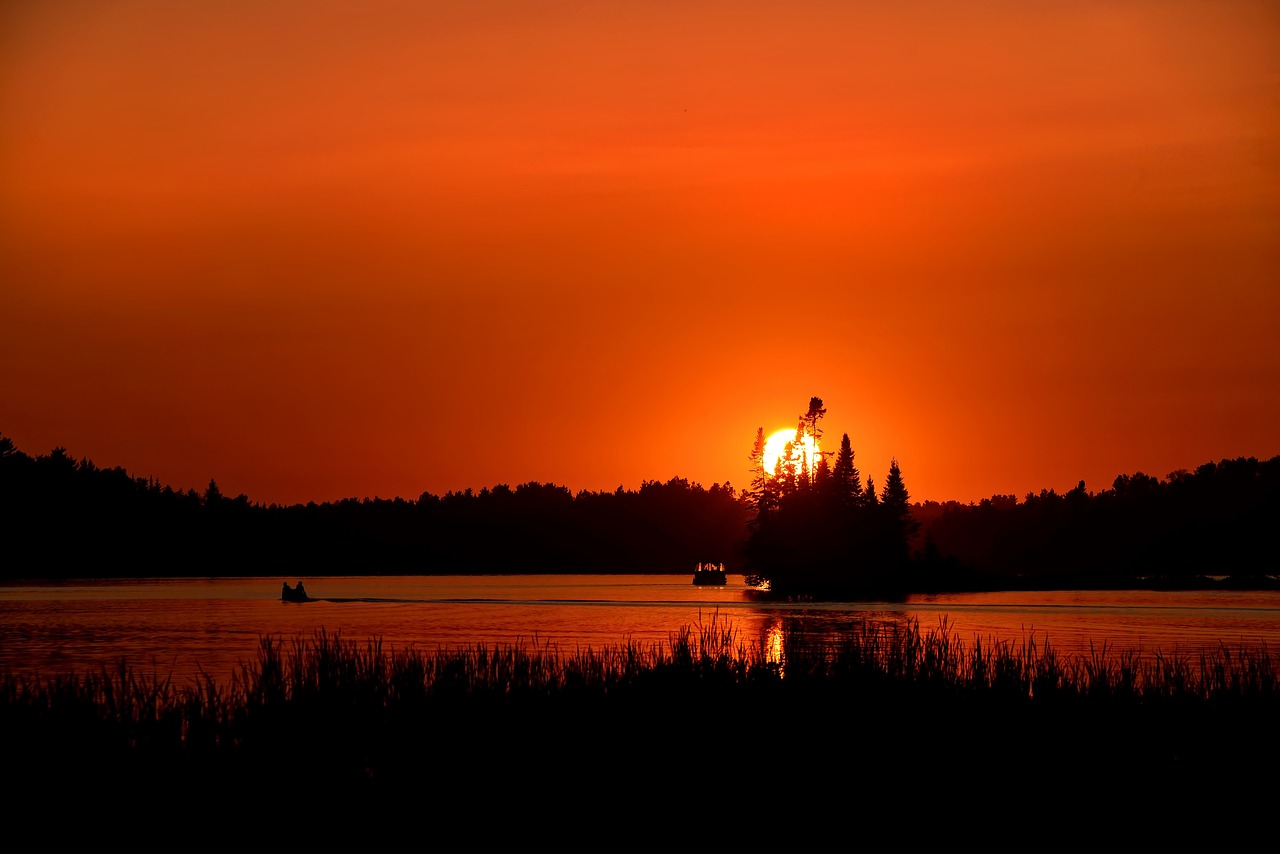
(897,523)
(846,480)
(761,495)
(896,499)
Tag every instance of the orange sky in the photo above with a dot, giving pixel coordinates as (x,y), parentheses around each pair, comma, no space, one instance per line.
(318,249)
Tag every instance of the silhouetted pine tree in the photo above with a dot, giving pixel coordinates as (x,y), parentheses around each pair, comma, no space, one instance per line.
(822,476)
(895,523)
(787,472)
(845,477)
(761,496)
(897,501)
(811,419)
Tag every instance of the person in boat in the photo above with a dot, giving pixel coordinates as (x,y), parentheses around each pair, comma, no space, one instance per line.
(293,594)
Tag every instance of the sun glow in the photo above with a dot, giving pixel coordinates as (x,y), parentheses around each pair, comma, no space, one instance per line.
(775,448)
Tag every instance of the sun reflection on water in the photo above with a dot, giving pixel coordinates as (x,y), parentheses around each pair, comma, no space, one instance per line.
(772,642)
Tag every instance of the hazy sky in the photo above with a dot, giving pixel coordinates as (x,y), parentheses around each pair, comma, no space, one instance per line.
(321,249)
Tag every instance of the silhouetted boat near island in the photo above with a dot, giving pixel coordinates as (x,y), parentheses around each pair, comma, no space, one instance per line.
(710,573)
(293,594)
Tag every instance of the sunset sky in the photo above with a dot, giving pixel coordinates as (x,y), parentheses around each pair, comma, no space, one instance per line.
(317,250)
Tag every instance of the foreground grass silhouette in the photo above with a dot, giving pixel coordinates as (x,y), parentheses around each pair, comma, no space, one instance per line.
(881,714)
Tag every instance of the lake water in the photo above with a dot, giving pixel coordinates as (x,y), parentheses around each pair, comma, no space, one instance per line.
(183,628)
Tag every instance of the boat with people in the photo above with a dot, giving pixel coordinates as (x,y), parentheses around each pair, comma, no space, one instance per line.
(293,594)
(710,573)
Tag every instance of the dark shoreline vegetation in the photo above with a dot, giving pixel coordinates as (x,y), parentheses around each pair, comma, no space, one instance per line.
(812,534)
(881,707)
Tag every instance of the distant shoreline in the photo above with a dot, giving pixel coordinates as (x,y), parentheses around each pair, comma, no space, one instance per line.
(1171,583)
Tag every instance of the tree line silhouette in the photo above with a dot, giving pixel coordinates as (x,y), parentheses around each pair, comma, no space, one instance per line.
(70,518)
(809,528)
(1214,526)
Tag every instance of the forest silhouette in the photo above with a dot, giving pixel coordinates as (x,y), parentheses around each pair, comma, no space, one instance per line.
(820,532)
(905,716)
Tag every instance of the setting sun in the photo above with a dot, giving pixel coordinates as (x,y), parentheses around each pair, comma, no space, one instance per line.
(775,446)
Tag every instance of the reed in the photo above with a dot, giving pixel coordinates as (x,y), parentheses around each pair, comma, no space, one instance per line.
(328,711)
(328,668)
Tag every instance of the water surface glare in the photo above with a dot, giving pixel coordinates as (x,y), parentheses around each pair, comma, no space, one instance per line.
(183,628)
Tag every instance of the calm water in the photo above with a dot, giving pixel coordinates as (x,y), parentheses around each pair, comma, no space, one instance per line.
(184,627)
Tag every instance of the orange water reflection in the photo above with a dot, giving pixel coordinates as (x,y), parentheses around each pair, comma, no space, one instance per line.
(187,627)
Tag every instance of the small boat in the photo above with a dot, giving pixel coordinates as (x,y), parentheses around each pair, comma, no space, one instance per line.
(709,573)
(294,594)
